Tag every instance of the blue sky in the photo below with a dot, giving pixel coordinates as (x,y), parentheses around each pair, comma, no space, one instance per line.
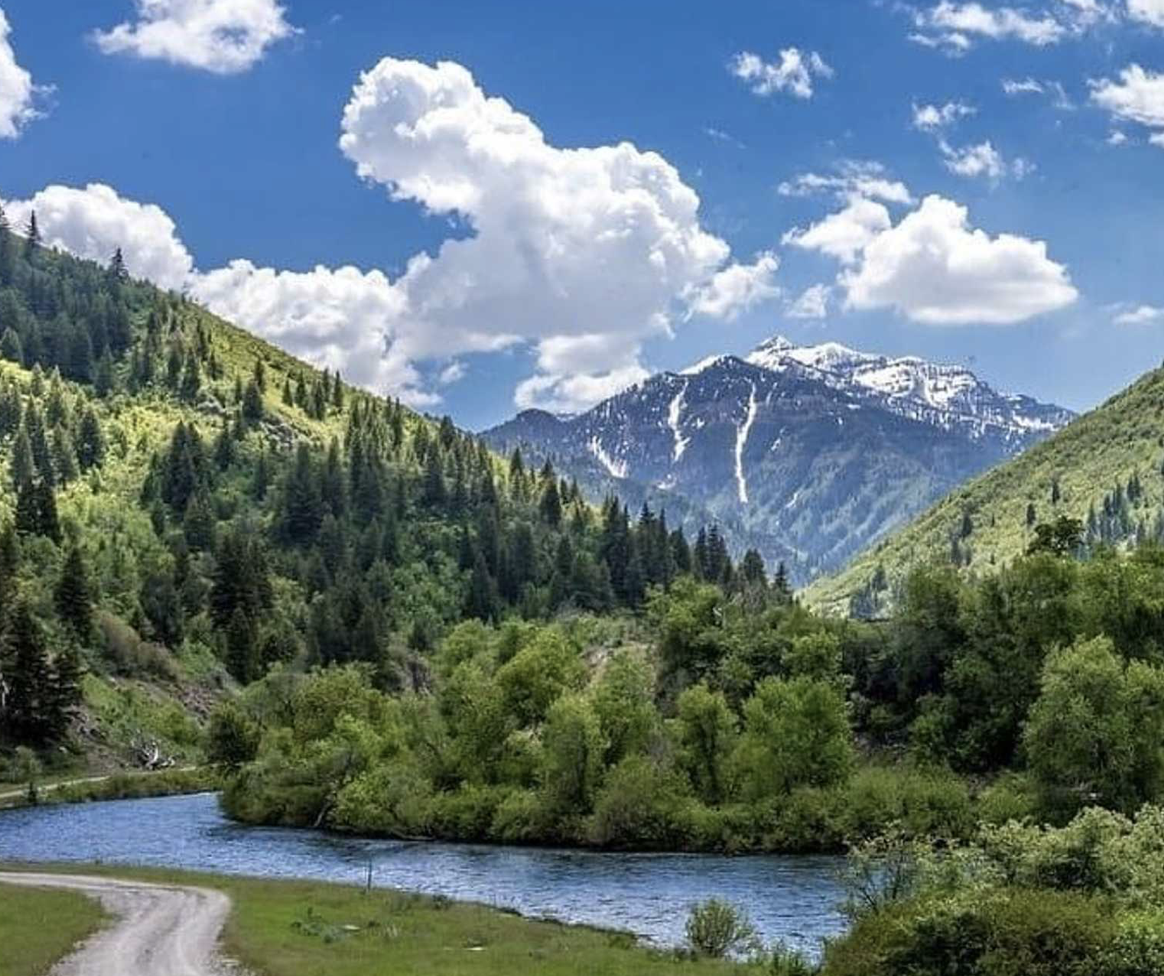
(572,277)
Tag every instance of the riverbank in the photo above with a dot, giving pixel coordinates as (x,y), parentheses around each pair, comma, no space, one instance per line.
(299,928)
(114,786)
(791,899)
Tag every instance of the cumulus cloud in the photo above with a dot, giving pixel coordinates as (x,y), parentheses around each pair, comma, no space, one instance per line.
(1138,315)
(982,161)
(581,254)
(336,318)
(932,267)
(813,303)
(221,36)
(793,73)
(955,26)
(1138,96)
(17,92)
(843,235)
(1147,11)
(95,221)
(736,289)
(934,118)
(565,243)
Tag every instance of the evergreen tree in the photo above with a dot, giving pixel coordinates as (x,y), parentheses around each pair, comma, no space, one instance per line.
(11,346)
(26,717)
(551,505)
(252,404)
(21,467)
(90,441)
(7,251)
(32,240)
(73,595)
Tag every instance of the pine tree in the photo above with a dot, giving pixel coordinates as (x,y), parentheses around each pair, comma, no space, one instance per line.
(73,595)
(21,467)
(7,251)
(90,441)
(104,379)
(26,719)
(32,240)
(11,347)
(117,273)
(551,505)
(252,404)
(64,456)
(242,657)
(64,692)
(47,522)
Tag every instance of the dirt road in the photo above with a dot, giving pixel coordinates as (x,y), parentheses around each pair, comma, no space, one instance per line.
(158,930)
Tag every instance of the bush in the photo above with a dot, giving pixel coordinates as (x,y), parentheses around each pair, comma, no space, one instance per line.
(639,806)
(717,928)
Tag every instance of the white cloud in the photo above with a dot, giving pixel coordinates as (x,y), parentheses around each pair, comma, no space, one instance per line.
(565,243)
(1117,138)
(953,26)
(95,221)
(1147,11)
(843,235)
(860,179)
(17,92)
(221,36)
(1138,96)
(1139,315)
(813,303)
(974,161)
(933,268)
(341,319)
(737,288)
(454,372)
(933,118)
(793,73)
(567,394)
(582,254)
(1025,86)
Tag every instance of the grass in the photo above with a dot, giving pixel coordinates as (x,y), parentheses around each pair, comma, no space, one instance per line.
(301,928)
(39,927)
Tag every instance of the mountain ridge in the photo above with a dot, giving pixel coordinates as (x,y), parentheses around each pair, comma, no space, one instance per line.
(815,451)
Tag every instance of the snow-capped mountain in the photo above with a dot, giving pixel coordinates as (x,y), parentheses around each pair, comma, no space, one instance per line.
(944,395)
(808,453)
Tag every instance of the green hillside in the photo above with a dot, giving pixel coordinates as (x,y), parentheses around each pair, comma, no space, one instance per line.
(1105,470)
(184,507)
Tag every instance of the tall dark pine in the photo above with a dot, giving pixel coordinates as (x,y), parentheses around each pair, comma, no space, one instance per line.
(74,595)
(25,719)
(32,238)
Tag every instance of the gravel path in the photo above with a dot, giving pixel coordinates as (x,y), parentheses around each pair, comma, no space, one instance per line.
(158,930)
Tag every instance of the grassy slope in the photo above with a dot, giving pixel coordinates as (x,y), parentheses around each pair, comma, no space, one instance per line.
(292,928)
(170,704)
(37,928)
(1123,436)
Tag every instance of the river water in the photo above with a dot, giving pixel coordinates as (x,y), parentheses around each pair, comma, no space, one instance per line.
(792,899)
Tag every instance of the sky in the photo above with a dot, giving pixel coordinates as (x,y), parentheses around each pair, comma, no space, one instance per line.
(486,207)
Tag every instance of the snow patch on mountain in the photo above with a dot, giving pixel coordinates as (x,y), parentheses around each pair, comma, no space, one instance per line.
(742,434)
(674,416)
(617,469)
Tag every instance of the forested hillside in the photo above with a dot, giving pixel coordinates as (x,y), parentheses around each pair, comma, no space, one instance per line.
(184,507)
(1105,470)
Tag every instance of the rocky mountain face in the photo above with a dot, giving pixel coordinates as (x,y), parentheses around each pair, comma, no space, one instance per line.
(807,453)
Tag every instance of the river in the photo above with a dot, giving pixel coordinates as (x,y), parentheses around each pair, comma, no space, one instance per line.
(792,899)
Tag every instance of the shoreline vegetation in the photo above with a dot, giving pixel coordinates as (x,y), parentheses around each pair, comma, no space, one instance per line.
(123,785)
(300,928)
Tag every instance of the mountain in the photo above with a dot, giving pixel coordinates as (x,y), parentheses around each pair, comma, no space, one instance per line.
(807,453)
(1105,470)
(183,507)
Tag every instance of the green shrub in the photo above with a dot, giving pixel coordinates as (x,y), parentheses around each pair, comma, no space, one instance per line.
(717,928)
